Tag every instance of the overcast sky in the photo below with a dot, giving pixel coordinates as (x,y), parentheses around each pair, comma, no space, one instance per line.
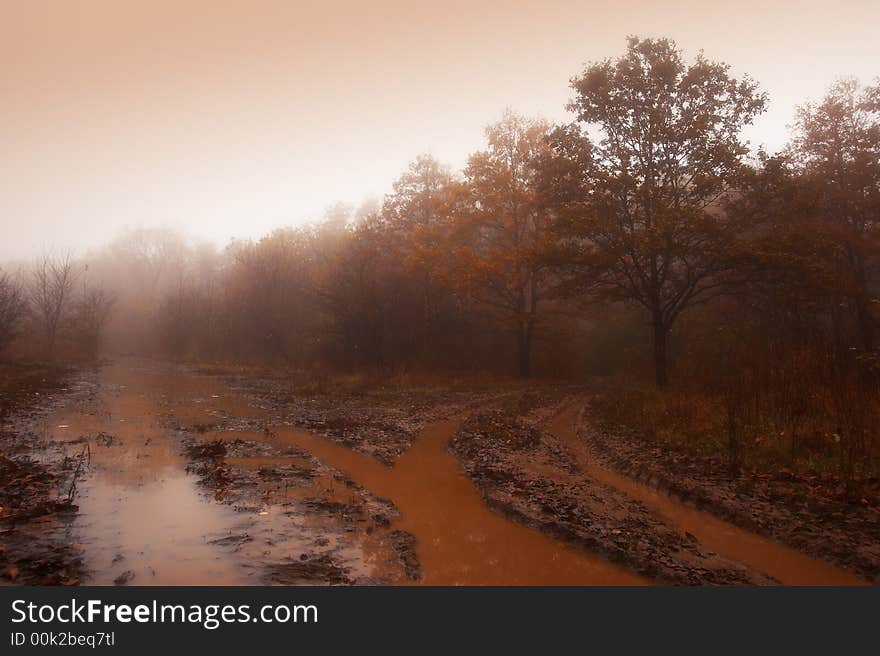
(229,118)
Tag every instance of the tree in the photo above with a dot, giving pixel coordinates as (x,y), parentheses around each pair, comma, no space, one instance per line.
(500,239)
(414,212)
(51,288)
(268,295)
(837,146)
(646,225)
(12,308)
(358,285)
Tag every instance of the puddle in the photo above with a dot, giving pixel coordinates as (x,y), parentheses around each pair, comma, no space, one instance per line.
(784,564)
(143,520)
(460,541)
(141,517)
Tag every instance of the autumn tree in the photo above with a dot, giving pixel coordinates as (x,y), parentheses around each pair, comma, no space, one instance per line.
(811,264)
(362,287)
(413,213)
(498,245)
(268,294)
(647,226)
(837,148)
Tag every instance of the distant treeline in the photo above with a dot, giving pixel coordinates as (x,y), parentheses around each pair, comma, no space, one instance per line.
(643,238)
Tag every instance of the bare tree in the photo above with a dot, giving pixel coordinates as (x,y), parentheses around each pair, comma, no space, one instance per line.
(50,293)
(13,306)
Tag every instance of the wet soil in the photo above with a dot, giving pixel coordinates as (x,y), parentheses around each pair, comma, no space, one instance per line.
(37,479)
(191,478)
(459,540)
(803,513)
(176,494)
(758,553)
(393,442)
(528,475)
(378,421)
(327,528)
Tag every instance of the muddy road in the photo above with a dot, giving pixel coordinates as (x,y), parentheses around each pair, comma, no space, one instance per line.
(185,478)
(784,564)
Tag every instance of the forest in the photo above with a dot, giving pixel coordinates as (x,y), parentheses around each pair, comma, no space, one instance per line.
(714,299)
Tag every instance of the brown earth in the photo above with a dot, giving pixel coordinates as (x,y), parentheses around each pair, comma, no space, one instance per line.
(233,477)
(37,478)
(804,512)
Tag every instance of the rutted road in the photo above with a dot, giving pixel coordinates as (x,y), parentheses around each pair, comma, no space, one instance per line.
(281,505)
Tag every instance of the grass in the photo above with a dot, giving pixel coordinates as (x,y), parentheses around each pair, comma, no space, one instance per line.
(695,422)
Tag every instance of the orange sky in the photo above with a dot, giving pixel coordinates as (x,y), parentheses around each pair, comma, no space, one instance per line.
(230,117)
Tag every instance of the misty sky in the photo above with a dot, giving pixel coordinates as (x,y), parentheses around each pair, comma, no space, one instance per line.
(229,118)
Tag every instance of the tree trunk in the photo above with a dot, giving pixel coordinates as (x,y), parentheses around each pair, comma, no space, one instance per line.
(524,349)
(660,364)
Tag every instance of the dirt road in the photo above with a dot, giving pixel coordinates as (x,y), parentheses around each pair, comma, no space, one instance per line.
(786,565)
(191,480)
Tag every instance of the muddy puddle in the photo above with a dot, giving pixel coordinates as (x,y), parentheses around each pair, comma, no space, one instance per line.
(786,565)
(284,506)
(460,541)
(142,519)
(145,518)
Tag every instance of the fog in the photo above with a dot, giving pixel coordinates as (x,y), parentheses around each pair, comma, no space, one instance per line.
(227,119)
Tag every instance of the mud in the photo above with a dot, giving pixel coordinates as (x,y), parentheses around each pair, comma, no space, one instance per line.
(378,421)
(422,505)
(757,553)
(37,479)
(151,473)
(341,529)
(792,511)
(527,475)
(459,540)
(175,494)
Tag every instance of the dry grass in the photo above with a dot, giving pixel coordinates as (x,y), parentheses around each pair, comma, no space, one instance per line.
(696,421)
